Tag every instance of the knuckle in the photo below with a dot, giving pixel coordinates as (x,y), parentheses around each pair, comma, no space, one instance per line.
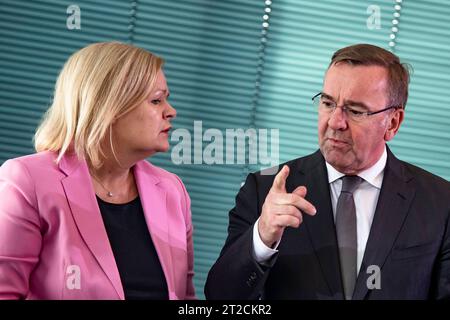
(291,198)
(293,211)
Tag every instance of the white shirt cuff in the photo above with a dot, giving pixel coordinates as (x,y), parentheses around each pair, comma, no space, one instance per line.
(261,252)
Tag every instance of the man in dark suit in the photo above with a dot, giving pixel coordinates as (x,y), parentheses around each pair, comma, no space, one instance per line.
(350,221)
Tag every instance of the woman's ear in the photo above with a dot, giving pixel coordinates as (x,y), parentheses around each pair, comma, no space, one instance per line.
(395,121)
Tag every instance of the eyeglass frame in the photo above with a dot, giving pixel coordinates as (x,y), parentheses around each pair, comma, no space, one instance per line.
(364,114)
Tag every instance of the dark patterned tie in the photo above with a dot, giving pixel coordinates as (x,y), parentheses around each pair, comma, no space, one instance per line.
(346,233)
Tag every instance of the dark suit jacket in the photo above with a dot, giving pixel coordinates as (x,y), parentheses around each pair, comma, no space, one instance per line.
(409,240)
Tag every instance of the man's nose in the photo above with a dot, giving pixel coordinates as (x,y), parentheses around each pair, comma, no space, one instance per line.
(338,119)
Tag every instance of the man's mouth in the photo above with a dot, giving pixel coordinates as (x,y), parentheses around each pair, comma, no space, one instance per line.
(337,141)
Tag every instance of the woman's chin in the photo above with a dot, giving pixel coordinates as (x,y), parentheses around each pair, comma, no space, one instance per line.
(162,148)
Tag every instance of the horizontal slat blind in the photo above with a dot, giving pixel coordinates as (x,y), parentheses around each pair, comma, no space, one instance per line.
(35,42)
(302,38)
(211,52)
(424,41)
(210,48)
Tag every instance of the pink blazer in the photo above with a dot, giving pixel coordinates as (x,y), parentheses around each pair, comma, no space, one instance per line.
(53,243)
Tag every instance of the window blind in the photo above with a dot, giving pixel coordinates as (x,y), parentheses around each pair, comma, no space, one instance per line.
(227,70)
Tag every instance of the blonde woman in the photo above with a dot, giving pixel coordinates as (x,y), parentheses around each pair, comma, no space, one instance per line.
(86,217)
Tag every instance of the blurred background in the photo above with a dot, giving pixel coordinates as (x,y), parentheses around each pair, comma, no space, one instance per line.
(231,64)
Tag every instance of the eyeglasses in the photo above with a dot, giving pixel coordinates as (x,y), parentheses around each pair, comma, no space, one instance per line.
(355,112)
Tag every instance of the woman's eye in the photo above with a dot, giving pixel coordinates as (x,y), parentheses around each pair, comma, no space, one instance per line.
(156,101)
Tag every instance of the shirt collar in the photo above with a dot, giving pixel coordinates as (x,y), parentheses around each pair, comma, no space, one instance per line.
(373,175)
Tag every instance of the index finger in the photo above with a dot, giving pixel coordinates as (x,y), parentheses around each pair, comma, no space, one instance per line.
(279,183)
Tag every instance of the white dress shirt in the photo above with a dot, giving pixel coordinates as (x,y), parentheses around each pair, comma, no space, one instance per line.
(365,196)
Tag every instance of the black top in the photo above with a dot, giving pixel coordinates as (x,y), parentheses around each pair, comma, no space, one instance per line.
(135,254)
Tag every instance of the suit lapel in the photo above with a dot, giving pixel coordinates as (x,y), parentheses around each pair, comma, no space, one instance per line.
(86,213)
(153,198)
(320,227)
(393,204)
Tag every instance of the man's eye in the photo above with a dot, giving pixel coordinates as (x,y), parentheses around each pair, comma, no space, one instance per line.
(355,112)
(327,104)
(156,101)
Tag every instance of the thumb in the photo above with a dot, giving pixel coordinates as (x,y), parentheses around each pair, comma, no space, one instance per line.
(279,183)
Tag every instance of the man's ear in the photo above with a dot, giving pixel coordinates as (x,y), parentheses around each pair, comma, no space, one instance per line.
(395,121)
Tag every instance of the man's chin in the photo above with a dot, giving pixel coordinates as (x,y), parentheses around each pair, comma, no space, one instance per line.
(337,158)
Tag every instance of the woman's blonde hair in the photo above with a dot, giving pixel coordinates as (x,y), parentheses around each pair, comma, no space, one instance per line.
(97,85)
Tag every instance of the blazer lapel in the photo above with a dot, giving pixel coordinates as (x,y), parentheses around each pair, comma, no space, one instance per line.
(393,204)
(320,227)
(86,213)
(153,199)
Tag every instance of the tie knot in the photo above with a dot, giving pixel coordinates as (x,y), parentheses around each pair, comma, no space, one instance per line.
(350,183)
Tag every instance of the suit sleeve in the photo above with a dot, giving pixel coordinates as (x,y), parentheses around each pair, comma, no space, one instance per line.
(190,289)
(443,272)
(20,236)
(236,274)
